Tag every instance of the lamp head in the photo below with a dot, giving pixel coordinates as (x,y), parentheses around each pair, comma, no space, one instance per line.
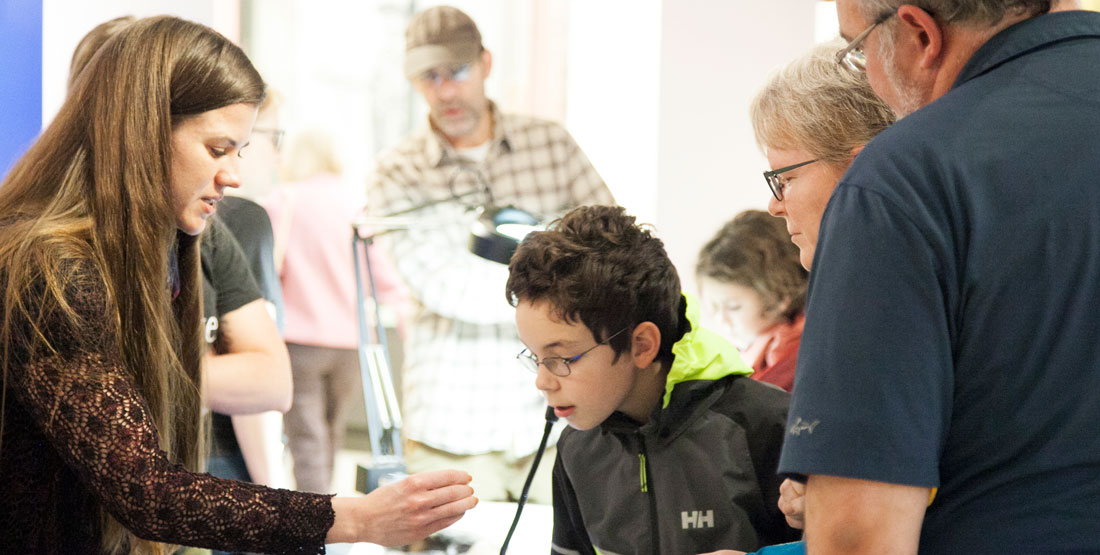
(499,230)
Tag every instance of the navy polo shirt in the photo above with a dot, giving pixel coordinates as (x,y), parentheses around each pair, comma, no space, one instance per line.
(952,335)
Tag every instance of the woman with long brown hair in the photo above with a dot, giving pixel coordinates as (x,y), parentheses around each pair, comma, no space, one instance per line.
(99,322)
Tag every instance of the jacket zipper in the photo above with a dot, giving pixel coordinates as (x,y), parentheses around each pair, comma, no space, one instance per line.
(647,488)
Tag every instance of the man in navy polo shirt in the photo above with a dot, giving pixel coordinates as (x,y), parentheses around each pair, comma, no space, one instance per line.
(945,399)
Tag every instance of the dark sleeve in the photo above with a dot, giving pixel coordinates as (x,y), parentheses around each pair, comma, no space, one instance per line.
(229,270)
(875,383)
(97,421)
(251,227)
(764,419)
(570,536)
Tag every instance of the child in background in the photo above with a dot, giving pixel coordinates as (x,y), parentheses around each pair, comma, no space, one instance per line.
(669,448)
(751,281)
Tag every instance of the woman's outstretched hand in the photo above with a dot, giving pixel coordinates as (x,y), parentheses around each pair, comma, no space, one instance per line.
(405,511)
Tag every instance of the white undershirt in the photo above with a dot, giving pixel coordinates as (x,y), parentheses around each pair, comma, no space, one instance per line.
(475,153)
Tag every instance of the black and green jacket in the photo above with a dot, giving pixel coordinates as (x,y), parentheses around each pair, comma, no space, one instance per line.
(698,477)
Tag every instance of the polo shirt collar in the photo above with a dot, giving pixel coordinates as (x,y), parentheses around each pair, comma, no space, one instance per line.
(439,150)
(1027,36)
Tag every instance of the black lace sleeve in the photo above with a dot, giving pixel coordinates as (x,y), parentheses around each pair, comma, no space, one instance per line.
(97,423)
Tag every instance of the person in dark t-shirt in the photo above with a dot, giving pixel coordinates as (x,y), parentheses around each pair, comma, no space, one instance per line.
(247,369)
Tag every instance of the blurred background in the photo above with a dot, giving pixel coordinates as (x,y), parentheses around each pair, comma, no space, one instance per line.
(656,92)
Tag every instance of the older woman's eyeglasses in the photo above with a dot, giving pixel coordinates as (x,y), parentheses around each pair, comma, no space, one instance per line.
(776,183)
(558,366)
(852,56)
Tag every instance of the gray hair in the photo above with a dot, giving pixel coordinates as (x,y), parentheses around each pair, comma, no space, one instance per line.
(963,12)
(814,104)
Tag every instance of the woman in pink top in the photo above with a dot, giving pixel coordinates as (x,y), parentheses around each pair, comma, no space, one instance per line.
(754,288)
(311,217)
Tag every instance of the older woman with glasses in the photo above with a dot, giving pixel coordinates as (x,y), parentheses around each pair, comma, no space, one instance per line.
(811,119)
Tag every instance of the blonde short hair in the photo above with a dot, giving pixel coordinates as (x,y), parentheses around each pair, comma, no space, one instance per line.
(815,104)
(311,153)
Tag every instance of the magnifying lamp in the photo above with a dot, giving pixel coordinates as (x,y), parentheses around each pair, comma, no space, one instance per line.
(494,235)
(499,230)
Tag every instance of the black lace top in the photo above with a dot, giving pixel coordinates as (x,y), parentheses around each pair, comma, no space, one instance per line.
(77,434)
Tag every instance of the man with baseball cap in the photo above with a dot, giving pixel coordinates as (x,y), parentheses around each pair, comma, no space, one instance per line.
(447,64)
(467,403)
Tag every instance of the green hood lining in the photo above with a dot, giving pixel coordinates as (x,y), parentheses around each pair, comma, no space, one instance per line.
(701,354)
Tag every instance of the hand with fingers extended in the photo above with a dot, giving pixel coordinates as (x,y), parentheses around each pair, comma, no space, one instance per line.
(405,511)
(792,501)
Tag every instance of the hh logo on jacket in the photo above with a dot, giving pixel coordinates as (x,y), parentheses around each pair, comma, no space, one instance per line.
(696,519)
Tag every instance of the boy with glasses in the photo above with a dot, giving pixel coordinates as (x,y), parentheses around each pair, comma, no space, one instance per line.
(670,448)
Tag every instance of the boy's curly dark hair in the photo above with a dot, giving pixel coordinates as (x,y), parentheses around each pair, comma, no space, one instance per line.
(597,266)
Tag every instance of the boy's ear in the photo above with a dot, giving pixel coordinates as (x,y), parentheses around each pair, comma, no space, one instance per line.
(645,343)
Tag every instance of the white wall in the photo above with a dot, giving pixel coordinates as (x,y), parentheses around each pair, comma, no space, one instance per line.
(715,55)
(65,22)
(612,90)
(826,26)
(658,95)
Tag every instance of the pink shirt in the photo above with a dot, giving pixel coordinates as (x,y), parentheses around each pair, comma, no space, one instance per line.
(317,274)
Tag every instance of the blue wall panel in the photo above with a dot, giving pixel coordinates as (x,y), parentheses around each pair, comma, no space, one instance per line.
(20,78)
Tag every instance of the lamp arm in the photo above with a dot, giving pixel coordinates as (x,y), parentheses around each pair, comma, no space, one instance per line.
(483,189)
(433,256)
(430,203)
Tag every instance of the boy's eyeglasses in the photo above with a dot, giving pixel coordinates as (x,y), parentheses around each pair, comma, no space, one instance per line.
(558,366)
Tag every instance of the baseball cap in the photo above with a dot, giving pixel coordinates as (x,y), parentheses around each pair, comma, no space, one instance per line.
(438,36)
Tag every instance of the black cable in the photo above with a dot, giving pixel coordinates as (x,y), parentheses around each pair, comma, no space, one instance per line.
(550,419)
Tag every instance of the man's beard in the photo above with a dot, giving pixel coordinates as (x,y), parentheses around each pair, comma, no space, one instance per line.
(907,96)
(463,126)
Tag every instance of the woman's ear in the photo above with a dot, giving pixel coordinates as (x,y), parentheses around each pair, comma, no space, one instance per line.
(645,343)
(856,150)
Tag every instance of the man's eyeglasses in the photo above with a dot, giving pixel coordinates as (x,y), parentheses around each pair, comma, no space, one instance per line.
(852,56)
(776,183)
(558,366)
(275,134)
(436,76)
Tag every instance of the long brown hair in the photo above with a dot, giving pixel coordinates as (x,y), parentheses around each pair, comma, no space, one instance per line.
(95,187)
(89,45)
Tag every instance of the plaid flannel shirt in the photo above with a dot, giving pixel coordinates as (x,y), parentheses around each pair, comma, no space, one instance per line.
(463,390)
